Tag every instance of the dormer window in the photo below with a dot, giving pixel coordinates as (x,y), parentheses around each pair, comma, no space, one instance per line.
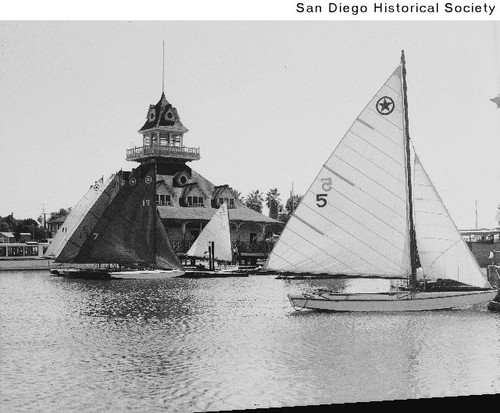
(229,202)
(194,201)
(163,199)
(151,115)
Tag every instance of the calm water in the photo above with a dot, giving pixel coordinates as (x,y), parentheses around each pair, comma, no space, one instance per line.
(219,344)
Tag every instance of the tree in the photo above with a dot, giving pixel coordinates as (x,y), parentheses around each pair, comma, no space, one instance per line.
(291,205)
(237,195)
(273,202)
(61,213)
(254,200)
(10,221)
(4,227)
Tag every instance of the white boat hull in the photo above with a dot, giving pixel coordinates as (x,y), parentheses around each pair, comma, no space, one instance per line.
(391,302)
(145,274)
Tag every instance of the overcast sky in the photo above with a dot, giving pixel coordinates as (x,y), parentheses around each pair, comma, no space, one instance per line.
(266,102)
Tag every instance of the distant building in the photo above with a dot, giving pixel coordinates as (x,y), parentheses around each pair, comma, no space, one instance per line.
(7,237)
(54,224)
(186,200)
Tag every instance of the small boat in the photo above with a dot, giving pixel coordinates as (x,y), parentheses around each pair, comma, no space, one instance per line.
(116,226)
(493,273)
(214,245)
(86,273)
(369,215)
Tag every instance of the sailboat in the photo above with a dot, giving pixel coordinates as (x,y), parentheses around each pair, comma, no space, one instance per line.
(116,226)
(214,245)
(366,216)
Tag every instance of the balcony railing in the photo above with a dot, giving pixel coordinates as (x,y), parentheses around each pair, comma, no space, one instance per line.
(181,152)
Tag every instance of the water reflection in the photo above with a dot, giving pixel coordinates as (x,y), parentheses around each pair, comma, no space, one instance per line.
(219,344)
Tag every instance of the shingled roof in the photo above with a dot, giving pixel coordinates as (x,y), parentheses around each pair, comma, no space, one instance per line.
(163,114)
(239,214)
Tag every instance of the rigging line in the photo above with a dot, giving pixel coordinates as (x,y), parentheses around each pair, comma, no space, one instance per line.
(355,237)
(374,164)
(370,178)
(379,133)
(326,252)
(374,199)
(359,222)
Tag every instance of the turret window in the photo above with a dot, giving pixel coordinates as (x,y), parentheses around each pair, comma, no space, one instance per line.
(176,140)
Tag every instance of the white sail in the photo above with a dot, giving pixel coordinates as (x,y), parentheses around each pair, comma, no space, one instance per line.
(353,218)
(216,231)
(442,251)
(75,216)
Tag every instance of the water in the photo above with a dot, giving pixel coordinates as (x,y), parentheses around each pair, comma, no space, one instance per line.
(219,344)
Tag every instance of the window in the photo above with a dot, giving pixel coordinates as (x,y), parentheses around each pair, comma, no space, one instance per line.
(163,199)
(146,140)
(229,202)
(32,251)
(176,140)
(193,201)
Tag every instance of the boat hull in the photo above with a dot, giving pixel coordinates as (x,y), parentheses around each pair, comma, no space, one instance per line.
(215,274)
(81,273)
(391,302)
(145,274)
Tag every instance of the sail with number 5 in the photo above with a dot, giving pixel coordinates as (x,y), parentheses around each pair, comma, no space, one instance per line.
(366,216)
(353,218)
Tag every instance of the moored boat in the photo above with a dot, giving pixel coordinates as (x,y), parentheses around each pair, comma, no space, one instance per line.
(116,226)
(214,245)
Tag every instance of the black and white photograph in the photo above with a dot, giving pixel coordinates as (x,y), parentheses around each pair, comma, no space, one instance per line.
(236,210)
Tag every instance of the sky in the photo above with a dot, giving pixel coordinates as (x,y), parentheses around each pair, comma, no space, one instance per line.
(266,101)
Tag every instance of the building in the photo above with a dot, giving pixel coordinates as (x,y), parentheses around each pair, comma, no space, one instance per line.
(54,224)
(186,200)
(7,237)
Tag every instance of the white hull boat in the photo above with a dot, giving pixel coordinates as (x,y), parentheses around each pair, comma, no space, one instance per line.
(145,274)
(391,301)
(373,212)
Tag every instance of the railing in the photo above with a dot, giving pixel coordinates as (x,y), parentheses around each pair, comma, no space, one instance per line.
(183,152)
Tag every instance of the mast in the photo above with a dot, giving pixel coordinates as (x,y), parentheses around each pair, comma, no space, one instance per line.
(155,219)
(411,224)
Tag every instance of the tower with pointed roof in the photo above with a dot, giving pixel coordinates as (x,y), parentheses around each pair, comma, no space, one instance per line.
(163,137)
(185,200)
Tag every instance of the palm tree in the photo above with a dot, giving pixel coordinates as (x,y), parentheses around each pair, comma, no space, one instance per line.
(254,200)
(273,202)
(291,205)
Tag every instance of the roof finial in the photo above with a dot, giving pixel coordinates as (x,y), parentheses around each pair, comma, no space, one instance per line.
(163,71)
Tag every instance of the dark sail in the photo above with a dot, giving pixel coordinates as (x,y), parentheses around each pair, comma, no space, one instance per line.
(129,230)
